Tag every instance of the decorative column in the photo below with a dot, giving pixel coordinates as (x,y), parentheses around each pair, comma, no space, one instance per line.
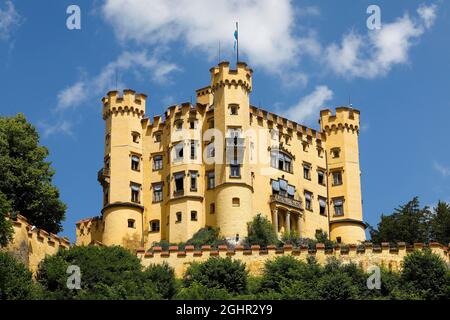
(299,225)
(275,219)
(288,221)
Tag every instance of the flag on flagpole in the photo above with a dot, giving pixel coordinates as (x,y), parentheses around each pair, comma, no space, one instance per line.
(236,36)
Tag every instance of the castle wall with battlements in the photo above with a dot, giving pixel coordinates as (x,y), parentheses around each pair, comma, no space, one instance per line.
(31,245)
(365,256)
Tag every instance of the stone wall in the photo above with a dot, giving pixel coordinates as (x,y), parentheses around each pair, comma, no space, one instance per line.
(254,258)
(31,245)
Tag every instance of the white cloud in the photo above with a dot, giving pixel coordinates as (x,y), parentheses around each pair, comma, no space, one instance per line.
(443,170)
(9,20)
(60,127)
(136,62)
(266,27)
(427,14)
(373,55)
(309,105)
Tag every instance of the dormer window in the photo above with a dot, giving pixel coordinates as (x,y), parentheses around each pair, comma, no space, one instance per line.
(136,136)
(234,109)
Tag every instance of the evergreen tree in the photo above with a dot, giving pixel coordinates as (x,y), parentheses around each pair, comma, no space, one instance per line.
(440,223)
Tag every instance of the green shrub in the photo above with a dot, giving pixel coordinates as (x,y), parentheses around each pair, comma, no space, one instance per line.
(15,280)
(426,275)
(260,232)
(106,273)
(198,291)
(206,236)
(336,286)
(218,272)
(163,277)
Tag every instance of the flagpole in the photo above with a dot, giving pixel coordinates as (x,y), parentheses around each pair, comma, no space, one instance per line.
(237,43)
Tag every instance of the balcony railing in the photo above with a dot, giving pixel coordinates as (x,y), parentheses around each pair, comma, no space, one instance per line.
(103,175)
(286,201)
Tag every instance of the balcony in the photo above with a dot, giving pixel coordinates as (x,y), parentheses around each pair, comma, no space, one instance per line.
(103,175)
(296,204)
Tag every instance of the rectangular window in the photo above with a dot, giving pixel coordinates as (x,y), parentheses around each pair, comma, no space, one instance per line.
(193,124)
(211,180)
(235,171)
(179,217)
(131,224)
(321,177)
(179,183)
(135,163)
(157,137)
(338,207)
(178,150)
(212,208)
(194,175)
(337,178)
(193,215)
(308,200)
(157,162)
(306,172)
(211,151)
(233,109)
(193,150)
(322,206)
(158,192)
(154,226)
(135,191)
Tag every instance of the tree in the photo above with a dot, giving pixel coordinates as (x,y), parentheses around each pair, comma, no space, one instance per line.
(15,280)
(198,291)
(440,223)
(217,272)
(106,273)
(6,231)
(25,176)
(260,232)
(426,275)
(206,236)
(408,223)
(163,277)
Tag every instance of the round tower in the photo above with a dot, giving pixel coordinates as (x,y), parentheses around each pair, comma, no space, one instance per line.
(233,180)
(344,182)
(121,176)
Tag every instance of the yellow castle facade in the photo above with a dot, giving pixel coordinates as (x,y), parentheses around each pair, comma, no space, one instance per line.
(219,162)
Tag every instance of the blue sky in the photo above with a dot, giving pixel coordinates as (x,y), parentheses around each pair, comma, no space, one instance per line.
(306,55)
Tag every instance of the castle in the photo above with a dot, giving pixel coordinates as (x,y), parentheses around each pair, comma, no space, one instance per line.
(219,162)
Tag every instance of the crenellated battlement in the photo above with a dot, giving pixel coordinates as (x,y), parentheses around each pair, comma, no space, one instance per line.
(130,101)
(345,117)
(364,255)
(30,244)
(222,76)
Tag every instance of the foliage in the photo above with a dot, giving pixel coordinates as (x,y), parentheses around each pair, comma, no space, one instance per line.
(15,280)
(198,291)
(408,223)
(440,223)
(163,277)
(206,236)
(426,274)
(6,231)
(217,272)
(106,273)
(25,176)
(260,232)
